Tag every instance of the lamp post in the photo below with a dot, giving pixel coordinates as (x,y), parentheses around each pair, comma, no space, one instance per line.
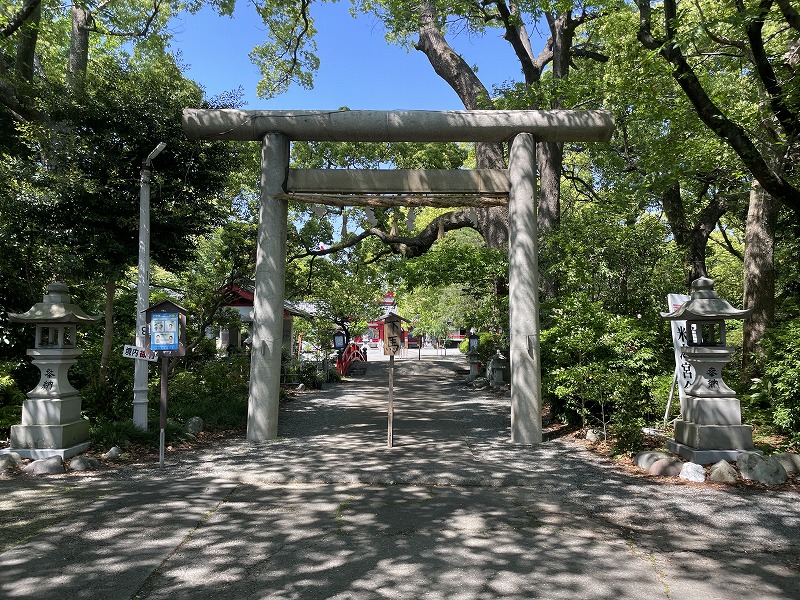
(143,291)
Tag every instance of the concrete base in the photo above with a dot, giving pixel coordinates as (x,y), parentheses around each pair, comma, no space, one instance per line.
(47,437)
(37,453)
(56,411)
(703,457)
(712,411)
(714,437)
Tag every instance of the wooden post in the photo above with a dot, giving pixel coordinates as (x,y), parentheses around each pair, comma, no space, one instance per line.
(391,399)
(161,436)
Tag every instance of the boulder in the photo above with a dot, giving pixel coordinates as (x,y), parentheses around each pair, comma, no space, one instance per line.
(194,425)
(723,472)
(53,465)
(693,472)
(594,435)
(755,467)
(113,453)
(8,464)
(84,463)
(645,460)
(667,467)
(789,460)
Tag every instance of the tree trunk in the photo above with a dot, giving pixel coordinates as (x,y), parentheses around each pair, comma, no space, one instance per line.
(26,43)
(759,273)
(450,66)
(108,332)
(78,59)
(692,238)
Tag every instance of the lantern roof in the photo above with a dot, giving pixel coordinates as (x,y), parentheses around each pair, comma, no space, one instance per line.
(55,307)
(705,304)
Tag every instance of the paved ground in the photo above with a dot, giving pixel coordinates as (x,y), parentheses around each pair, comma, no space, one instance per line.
(452,511)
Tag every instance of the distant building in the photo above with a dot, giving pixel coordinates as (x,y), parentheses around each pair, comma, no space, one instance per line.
(242,302)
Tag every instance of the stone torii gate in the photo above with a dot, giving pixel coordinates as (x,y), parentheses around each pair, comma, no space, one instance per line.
(276,129)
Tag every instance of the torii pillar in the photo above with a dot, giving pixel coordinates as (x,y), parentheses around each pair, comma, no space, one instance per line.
(277,128)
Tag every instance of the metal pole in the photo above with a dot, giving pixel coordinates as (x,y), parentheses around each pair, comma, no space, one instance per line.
(143,291)
(391,399)
(164,375)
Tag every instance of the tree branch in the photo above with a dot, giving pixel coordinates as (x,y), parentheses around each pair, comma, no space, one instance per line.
(766,74)
(18,19)
(731,132)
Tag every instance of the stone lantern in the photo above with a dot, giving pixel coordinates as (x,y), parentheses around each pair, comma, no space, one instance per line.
(51,415)
(711,425)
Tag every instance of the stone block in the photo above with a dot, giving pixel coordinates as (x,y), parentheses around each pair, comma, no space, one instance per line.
(702,457)
(59,411)
(49,436)
(714,437)
(712,411)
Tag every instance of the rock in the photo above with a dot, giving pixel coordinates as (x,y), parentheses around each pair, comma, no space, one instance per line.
(723,472)
(693,472)
(193,425)
(594,435)
(644,460)
(53,465)
(301,387)
(84,463)
(755,467)
(789,460)
(113,453)
(480,383)
(8,464)
(667,467)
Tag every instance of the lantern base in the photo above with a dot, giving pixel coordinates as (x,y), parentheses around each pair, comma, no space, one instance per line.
(704,457)
(38,453)
(712,411)
(49,437)
(714,437)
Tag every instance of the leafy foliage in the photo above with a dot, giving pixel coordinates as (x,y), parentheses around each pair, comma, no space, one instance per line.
(778,391)
(599,368)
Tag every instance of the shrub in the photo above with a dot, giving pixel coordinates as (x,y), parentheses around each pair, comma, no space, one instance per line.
(11,399)
(215,391)
(488,344)
(601,368)
(777,393)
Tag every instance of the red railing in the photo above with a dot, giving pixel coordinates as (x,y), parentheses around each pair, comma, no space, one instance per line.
(352,353)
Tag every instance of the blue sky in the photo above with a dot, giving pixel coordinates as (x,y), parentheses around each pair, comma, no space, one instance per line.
(358,68)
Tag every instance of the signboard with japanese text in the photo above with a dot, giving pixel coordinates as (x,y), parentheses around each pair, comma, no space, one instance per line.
(139,353)
(684,371)
(392,337)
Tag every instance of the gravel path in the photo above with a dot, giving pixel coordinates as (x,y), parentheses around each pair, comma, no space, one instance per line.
(452,510)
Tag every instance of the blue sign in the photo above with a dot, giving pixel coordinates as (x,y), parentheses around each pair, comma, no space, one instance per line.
(164,331)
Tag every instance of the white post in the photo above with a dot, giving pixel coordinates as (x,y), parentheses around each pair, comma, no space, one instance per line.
(523,275)
(143,291)
(265,361)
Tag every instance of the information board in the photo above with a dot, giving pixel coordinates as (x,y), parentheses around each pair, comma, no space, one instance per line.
(164,331)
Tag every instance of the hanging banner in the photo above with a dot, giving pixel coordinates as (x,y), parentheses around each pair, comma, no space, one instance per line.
(684,371)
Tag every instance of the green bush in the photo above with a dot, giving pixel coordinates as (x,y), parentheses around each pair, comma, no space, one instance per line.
(599,368)
(11,399)
(777,393)
(488,344)
(216,391)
